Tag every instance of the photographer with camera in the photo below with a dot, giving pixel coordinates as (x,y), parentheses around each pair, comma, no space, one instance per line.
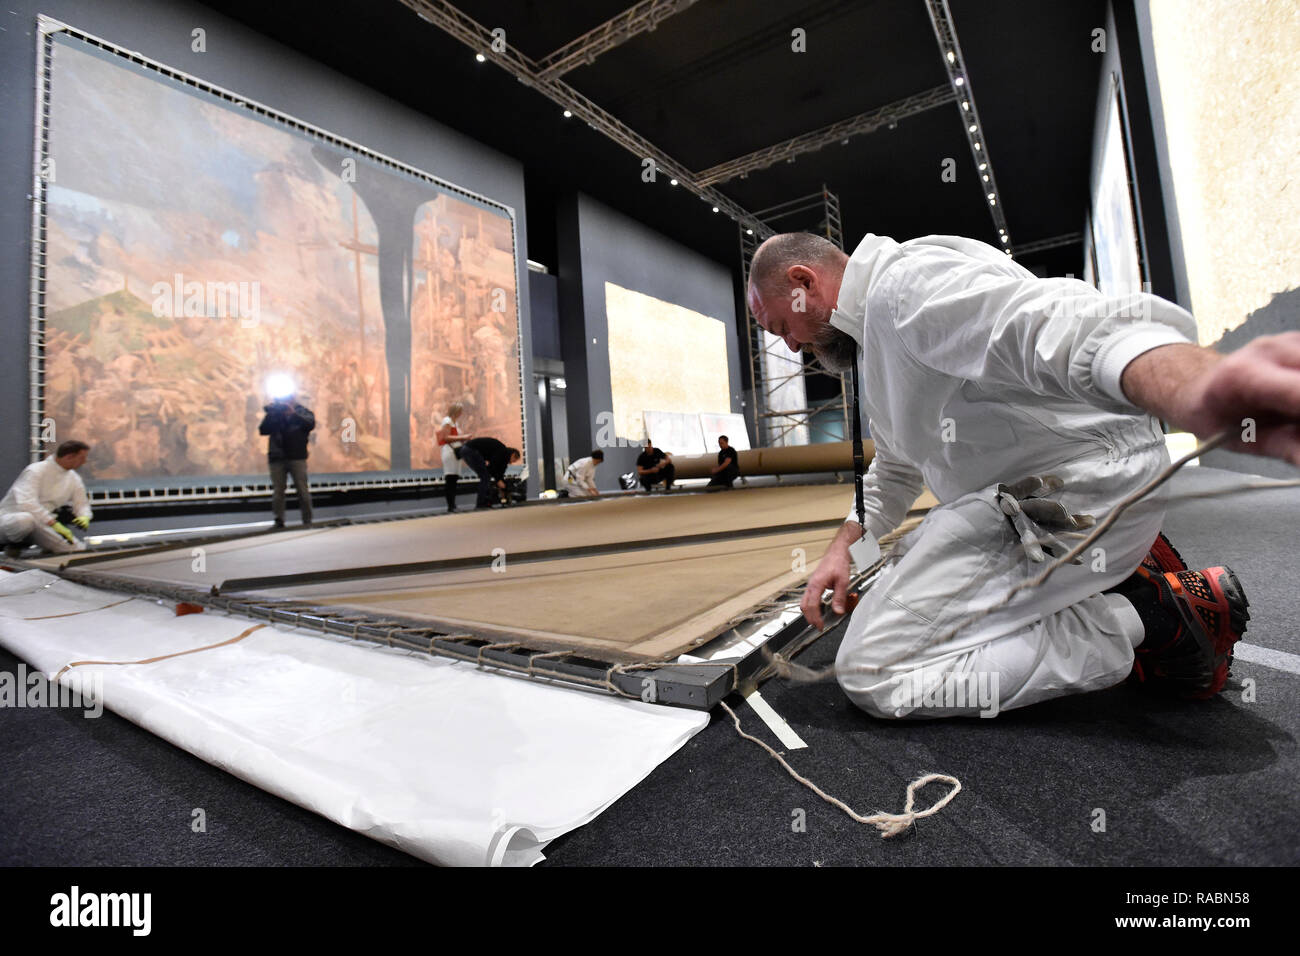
(287,425)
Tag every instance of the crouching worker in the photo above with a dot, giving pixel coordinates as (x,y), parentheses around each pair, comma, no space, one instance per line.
(580,477)
(46,498)
(1029,408)
(489,458)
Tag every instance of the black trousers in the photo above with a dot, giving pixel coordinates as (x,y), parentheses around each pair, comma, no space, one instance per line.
(725,477)
(665,474)
(487,486)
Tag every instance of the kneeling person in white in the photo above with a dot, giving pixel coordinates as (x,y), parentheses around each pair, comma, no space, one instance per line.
(580,478)
(29,511)
(975,373)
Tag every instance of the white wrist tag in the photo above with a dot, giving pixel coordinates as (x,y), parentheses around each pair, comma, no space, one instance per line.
(865,552)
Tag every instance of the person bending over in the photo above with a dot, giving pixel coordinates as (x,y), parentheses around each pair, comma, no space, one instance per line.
(1017,399)
(489,458)
(46,497)
(580,477)
(654,466)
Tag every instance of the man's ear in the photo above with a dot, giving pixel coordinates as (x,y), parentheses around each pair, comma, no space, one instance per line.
(801,276)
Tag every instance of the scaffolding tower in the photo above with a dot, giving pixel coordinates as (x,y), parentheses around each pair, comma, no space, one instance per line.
(782,413)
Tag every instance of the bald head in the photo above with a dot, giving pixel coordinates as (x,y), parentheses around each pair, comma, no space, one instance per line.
(775,257)
(794,286)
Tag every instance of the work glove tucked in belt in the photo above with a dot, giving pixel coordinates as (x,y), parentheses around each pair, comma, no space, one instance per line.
(1034,518)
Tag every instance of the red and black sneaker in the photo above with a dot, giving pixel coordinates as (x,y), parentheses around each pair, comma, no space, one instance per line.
(1208,612)
(1163,557)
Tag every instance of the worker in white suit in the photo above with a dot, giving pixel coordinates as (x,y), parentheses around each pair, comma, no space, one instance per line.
(579,479)
(46,497)
(1017,399)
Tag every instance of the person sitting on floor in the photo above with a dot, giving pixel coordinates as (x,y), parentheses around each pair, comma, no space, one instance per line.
(654,466)
(727,470)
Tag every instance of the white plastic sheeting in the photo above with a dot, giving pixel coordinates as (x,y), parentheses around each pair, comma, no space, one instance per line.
(450,763)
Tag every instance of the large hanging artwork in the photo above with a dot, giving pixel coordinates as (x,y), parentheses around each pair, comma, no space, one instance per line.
(196,247)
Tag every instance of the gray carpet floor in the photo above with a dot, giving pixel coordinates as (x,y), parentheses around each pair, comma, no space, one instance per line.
(1183,784)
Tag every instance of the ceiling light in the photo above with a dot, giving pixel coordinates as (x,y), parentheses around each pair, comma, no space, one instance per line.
(480,57)
(749,232)
(952,57)
(977,146)
(959,81)
(567,114)
(1005,238)
(672,182)
(993,202)
(972,127)
(715,208)
(965,104)
(986,177)
(991,196)
(984,165)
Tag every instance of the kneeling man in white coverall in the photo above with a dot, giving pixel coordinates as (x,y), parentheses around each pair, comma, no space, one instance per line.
(579,479)
(974,375)
(30,511)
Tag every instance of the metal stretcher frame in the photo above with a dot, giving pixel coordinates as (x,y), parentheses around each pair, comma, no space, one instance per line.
(696,686)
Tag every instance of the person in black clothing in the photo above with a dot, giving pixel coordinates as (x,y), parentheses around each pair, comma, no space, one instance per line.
(654,466)
(489,458)
(728,467)
(287,425)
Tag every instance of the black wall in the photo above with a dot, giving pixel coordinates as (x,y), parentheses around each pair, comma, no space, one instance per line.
(244,63)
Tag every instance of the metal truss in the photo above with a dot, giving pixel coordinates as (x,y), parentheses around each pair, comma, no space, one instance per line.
(950,48)
(839,132)
(1040,245)
(817,213)
(478,38)
(641,18)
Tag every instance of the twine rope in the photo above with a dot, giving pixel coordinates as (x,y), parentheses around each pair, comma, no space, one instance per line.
(889,824)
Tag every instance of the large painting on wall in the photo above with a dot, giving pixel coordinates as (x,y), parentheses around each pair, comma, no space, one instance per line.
(1114,222)
(196,248)
(662,358)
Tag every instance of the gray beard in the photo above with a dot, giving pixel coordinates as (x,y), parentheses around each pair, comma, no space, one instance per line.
(835,350)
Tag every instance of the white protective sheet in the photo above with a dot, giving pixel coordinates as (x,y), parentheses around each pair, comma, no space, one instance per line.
(449,763)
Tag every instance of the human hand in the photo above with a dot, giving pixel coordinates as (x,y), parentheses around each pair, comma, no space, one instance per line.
(832,572)
(1254,392)
(81,522)
(63,529)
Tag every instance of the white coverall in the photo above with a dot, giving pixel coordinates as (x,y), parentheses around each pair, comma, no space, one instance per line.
(40,490)
(580,478)
(974,372)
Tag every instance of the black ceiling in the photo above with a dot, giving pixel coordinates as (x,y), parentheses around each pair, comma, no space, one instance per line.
(720,80)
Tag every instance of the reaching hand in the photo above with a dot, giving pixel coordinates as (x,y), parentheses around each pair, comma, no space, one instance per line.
(63,529)
(1253,392)
(832,572)
(82,523)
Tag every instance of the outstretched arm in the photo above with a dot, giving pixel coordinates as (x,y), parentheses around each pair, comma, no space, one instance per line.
(1254,391)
